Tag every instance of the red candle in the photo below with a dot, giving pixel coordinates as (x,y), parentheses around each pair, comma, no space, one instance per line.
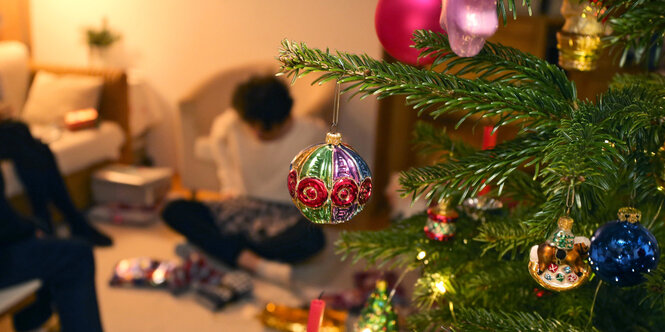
(489,141)
(315,318)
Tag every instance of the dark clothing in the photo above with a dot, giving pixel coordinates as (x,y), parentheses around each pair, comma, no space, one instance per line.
(38,171)
(67,271)
(12,227)
(65,267)
(205,227)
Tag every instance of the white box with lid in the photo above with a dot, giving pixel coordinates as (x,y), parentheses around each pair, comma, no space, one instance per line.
(131,185)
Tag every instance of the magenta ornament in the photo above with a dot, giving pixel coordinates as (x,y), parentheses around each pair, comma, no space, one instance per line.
(396,20)
(469,23)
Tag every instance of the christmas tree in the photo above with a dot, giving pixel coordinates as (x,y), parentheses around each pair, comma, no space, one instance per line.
(572,160)
(378,314)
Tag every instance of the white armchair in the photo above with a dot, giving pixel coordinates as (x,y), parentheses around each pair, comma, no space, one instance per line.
(199,108)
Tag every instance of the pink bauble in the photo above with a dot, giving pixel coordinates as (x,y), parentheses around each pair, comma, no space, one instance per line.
(469,23)
(396,20)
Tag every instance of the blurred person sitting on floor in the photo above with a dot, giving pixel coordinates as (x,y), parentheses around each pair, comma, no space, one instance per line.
(257,228)
(38,172)
(66,268)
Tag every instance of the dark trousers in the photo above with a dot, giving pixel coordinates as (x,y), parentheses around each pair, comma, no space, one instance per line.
(38,171)
(197,223)
(67,271)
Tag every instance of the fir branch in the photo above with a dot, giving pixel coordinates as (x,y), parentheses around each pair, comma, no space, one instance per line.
(637,26)
(470,174)
(626,309)
(522,187)
(502,5)
(431,320)
(498,63)
(655,286)
(486,285)
(503,238)
(429,139)
(543,221)
(653,80)
(426,292)
(634,121)
(426,90)
(479,319)
(396,244)
(580,156)
(634,111)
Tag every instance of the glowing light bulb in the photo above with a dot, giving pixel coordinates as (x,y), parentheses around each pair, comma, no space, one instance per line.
(366,330)
(440,286)
(421,255)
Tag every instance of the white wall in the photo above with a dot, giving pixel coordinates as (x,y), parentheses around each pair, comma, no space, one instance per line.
(175,44)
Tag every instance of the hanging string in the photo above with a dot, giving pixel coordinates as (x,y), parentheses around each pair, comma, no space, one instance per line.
(593,304)
(570,198)
(399,281)
(335,117)
(633,191)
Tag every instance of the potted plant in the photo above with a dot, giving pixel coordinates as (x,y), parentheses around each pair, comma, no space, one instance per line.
(99,40)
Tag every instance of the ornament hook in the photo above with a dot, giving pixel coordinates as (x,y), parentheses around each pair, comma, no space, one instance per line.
(570,198)
(335,116)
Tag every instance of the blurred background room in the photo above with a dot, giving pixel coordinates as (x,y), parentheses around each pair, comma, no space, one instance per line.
(127,95)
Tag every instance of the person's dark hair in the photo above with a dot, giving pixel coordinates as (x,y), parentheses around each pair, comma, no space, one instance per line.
(264,100)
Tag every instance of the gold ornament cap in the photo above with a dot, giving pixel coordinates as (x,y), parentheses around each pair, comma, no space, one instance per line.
(565,223)
(630,214)
(443,208)
(333,138)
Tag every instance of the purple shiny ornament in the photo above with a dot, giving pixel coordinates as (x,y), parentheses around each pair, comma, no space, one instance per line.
(396,20)
(469,23)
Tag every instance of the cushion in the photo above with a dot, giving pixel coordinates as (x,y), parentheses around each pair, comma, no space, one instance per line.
(51,96)
(14,76)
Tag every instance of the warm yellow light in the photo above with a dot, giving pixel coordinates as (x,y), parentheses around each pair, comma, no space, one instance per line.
(440,286)
(421,255)
(366,330)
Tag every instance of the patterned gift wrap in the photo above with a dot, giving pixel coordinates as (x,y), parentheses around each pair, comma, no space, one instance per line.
(329,183)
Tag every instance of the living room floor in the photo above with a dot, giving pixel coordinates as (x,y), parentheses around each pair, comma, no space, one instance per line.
(132,309)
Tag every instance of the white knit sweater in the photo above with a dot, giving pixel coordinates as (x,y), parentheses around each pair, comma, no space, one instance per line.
(249,166)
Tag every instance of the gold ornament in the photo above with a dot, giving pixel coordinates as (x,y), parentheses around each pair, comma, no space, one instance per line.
(289,319)
(558,263)
(579,41)
(630,214)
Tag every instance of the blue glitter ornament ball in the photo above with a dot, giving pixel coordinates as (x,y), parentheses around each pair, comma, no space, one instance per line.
(622,250)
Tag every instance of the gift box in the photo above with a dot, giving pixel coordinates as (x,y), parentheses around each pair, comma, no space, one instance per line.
(81,119)
(131,185)
(122,214)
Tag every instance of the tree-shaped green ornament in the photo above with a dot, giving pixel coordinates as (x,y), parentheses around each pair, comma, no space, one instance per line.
(378,314)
